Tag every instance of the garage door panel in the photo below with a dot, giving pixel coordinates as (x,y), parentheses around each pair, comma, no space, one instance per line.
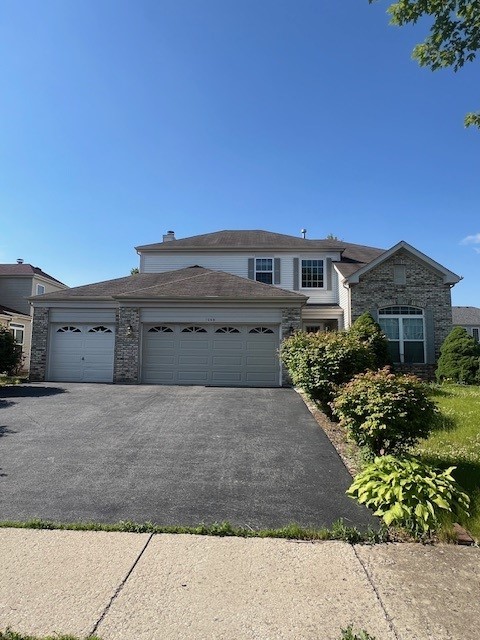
(212,354)
(81,353)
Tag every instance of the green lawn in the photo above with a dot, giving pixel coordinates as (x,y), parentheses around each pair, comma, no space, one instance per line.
(457,443)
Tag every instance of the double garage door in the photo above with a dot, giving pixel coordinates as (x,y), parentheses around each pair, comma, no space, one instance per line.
(227,354)
(215,354)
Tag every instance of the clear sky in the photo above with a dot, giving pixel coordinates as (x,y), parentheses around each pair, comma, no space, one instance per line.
(121,120)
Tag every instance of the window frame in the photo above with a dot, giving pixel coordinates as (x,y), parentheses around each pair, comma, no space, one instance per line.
(270,271)
(400,317)
(14,327)
(314,288)
(39,293)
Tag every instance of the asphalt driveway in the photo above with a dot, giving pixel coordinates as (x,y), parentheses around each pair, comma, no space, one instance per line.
(169,455)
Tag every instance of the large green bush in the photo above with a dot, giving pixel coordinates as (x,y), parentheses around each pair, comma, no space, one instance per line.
(10,353)
(319,362)
(370,332)
(383,412)
(459,358)
(408,493)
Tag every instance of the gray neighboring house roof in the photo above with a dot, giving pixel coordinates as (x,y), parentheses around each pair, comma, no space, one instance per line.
(468,316)
(190,283)
(11,312)
(25,270)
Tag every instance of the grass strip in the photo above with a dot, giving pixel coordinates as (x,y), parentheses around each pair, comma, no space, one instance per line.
(338,531)
(8,634)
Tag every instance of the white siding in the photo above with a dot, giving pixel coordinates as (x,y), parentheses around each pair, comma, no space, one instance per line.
(82,315)
(344,301)
(237,264)
(209,314)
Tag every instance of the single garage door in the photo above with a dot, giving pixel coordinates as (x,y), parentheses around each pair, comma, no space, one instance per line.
(81,352)
(223,355)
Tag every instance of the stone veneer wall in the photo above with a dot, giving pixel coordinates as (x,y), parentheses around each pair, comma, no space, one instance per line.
(291,321)
(127,345)
(38,354)
(424,288)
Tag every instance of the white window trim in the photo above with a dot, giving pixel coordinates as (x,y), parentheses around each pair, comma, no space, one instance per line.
(401,339)
(300,279)
(272,271)
(38,293)
(21,327)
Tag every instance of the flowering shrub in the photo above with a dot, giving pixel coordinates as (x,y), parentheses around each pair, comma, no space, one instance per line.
(319,362)
(383,412)
(408,493)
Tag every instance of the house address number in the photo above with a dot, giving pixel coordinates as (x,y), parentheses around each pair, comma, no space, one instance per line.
(210,319)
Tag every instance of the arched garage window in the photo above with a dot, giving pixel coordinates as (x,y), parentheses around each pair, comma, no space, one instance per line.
(405,329)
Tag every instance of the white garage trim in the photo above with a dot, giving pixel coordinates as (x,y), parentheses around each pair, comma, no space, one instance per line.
(211,315)
(81,352)
(223,354)
(82,315)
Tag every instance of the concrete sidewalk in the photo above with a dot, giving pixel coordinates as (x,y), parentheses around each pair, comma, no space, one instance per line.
(124,585)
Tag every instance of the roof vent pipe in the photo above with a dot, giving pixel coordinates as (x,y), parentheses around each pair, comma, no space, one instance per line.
(19,260)
(304,233)
(169,236)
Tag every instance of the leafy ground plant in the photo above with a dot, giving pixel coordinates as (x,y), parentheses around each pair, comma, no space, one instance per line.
(350,634)
(407,493)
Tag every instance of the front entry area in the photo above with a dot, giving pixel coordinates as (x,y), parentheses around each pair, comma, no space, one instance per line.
(211,354)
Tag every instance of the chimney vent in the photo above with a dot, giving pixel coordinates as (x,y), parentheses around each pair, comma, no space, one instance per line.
(169,236)
(304,233)
(19,260)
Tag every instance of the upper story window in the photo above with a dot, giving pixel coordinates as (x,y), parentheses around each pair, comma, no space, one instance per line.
(312,274)
(264,270)
(40,289)
(404,327)
(18,332)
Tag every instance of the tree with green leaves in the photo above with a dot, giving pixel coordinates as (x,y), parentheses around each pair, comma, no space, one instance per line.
(10,353)
(454,37)
(368,331)
(459,358)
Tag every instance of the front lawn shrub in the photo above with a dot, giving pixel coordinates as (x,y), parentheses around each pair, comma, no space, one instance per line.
(383,412)
(10,353)
(319,362)
(409,494)
(370,332)
(459,358)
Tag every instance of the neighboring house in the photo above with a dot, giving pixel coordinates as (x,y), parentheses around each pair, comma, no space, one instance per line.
(18,282)
(469,319)
(213,309)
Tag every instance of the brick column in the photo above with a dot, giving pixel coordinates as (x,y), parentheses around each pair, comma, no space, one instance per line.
(127,345)
(38,354)
(291,321)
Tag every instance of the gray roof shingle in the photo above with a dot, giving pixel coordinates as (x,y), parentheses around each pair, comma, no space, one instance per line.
(192,282)
(25,270)
(469,316)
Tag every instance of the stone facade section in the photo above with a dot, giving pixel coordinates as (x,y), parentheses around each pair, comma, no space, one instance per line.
(424,288)
(291,322)
(38,354)
(127,346)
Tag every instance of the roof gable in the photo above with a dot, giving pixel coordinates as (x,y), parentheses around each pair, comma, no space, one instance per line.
(448,276)
(23,269)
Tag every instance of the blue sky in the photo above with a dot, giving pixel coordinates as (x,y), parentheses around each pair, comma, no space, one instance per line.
(121,120)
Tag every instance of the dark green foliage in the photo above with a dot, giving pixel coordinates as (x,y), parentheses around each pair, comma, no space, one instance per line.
(350,634)
(409,494)
(459,358)
(319,362)
(10,353)
(370,332)
(383,412)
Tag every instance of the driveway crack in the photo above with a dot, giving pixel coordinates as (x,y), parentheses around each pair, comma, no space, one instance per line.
(120,587)
(377,595)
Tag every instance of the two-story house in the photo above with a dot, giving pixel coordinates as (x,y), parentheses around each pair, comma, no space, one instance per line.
(18,282)
(469,319)
(213,309)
